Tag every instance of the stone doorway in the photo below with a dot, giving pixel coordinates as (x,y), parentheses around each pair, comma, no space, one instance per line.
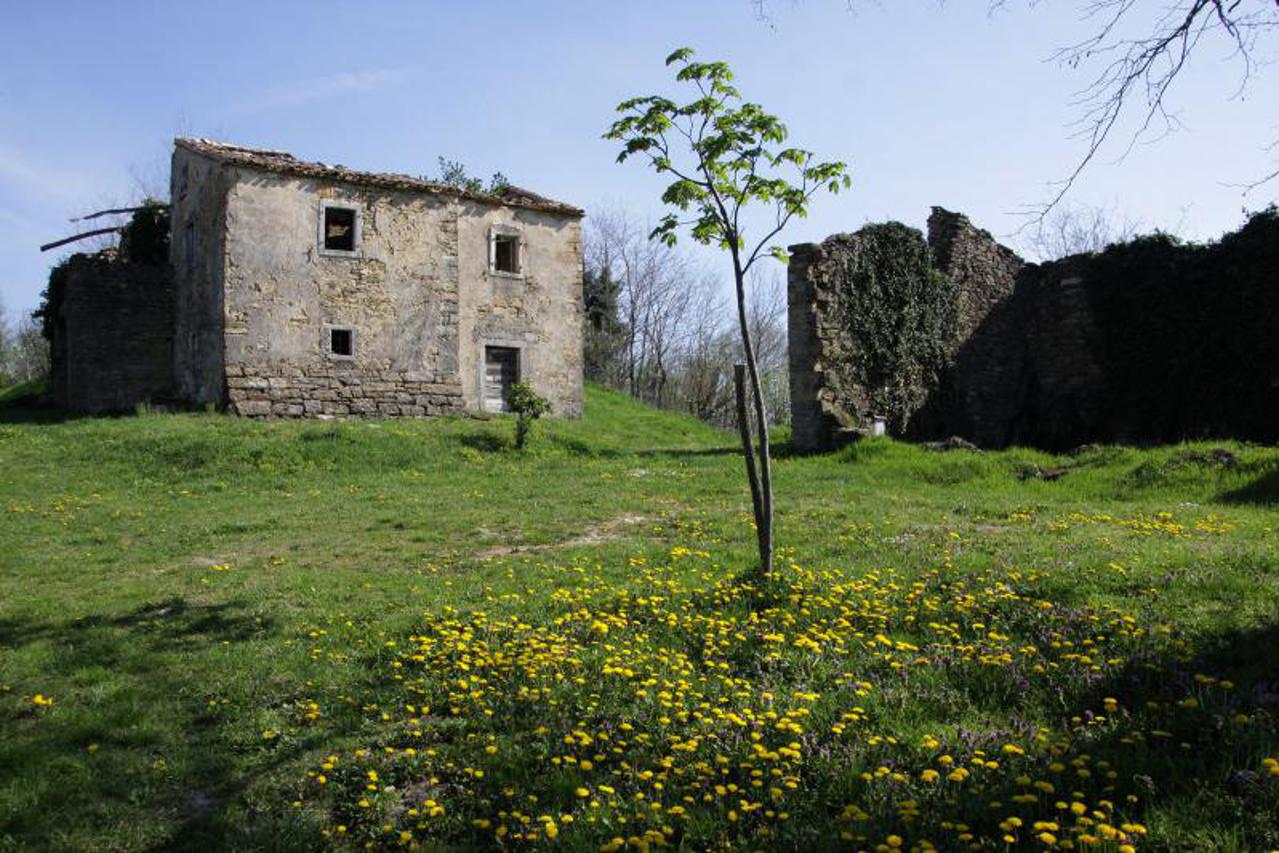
(501,371)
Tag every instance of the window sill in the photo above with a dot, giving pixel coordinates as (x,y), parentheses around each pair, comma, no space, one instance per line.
(509,276)
(338,253)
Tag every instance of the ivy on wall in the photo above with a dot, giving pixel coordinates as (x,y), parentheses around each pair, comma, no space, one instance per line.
(891,321)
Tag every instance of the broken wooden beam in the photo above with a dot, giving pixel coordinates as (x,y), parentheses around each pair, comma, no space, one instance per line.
(112,210)
(65,240)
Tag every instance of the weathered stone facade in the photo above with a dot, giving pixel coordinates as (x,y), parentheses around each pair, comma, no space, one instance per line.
(416,294)
(112,341)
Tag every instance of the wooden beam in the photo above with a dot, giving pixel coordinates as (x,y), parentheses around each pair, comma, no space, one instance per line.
(65,240)
(117,210)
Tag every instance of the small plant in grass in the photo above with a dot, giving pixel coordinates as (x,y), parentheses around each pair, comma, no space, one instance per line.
(528,406)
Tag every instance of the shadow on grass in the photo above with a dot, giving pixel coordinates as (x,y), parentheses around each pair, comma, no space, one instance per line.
(170,762)
(1263,491)
(484,442)
(172,623)
(27,410)
(688,453)
(1194,769)
(1192,775)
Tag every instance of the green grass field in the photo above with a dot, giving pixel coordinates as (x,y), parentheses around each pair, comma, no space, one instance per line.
(222,634)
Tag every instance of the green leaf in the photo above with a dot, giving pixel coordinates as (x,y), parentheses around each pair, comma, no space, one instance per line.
(679,55)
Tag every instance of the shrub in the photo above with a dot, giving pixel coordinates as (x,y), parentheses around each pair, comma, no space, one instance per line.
(528,406)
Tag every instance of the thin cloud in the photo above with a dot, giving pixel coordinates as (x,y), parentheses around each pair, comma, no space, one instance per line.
(29,178)
(318,89)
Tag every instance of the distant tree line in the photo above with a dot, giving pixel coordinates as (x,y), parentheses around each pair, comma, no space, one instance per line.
(658,324)
(24,353)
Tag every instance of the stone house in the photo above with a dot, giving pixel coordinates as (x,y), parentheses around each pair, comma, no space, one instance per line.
(305,289)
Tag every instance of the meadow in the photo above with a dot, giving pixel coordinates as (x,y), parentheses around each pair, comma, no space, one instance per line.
(224,634)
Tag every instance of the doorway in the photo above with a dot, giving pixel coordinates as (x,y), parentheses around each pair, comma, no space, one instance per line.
(501,371)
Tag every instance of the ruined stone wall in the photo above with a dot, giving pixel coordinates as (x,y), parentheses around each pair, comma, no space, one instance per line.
(1020,359)
(812,426)
(113,337)
(979,397)
(871,323)
(1148,341)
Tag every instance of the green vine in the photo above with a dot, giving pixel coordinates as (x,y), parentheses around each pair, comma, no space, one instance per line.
(894,315)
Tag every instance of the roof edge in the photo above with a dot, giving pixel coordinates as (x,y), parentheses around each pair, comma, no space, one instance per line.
(282,162)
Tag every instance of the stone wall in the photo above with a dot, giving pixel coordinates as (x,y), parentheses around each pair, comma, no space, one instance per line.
(1022,365)
(113,335)
(197,255)
(870,324)
(812,425)
(539,312)
(281,293)
(337,391)
(1150,341)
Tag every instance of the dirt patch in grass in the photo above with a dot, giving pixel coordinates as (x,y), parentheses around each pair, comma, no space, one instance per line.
(614,528)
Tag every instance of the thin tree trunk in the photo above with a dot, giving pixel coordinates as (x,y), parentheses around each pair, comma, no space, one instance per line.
(744,427)
(764,511)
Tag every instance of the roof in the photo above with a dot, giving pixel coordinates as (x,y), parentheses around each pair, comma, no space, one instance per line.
(281,162)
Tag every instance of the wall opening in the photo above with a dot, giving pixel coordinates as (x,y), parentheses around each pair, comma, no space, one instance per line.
(339,229)
(506,253)
(340,341)
(501,371)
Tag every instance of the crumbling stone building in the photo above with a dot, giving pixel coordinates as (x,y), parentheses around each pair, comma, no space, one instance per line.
(111,334)
(305,289)
(955,335)
(290,288)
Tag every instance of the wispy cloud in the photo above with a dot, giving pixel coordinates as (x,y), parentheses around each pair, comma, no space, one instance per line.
(317,89)
(27,177)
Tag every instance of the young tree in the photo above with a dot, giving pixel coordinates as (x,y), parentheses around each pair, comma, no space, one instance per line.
(726,158)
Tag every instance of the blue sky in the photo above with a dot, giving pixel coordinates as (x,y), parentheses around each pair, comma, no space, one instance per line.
(928,103)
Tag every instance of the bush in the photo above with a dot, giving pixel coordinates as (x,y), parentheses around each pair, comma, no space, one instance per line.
(528,407)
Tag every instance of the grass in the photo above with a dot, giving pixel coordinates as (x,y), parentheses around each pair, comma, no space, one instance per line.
(23,392)
(221,612)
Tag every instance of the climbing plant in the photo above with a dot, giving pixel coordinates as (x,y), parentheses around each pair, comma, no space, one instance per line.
(894,315)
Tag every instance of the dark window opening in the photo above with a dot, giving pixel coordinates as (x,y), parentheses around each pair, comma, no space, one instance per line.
(339,229)
(506,253)
(342,342)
